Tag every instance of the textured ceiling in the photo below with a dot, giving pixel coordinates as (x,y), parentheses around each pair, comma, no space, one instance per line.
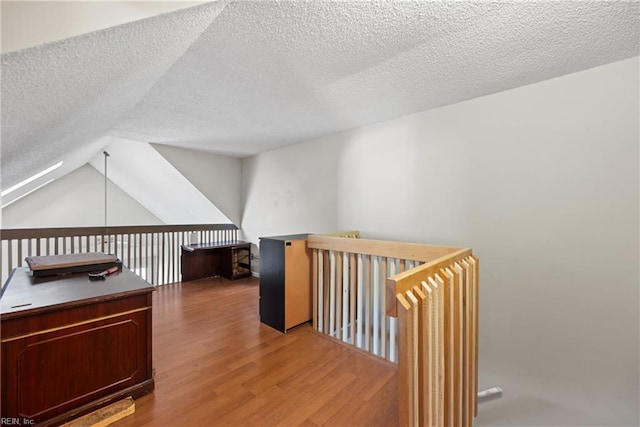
(31,23)
(246,77)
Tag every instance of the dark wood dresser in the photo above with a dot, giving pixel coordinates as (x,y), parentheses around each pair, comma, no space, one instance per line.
(71,346)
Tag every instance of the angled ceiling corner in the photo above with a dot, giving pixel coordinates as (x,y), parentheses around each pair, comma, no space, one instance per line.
(83,85)
(27,24)
(217,177)
(145,175)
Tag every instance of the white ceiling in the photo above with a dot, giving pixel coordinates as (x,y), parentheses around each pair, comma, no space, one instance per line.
(244,77)
(31,23)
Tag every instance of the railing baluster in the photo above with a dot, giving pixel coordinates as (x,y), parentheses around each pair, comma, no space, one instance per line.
(353,297)
(137,252)
(360,302)
(339,283)
(383,311)
(19,248)
(10,255)
(152,273)
(332,293)
(367,290)
(393,345)
(161,262)
(344,291)
(437,341)
(314,288)
(376,306)
(176,255)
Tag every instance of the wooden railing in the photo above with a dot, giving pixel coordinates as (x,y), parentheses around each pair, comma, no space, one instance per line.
(348,296)
(152,252)
(437,309)
(413,304)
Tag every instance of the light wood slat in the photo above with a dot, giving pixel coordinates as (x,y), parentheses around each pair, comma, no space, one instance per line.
(458,346)
(412,333)
(475,286)
(403,281)
(437,284)
(425,397)
(468,343)
(405,383)
(449,360)
(464,332)
(354,234)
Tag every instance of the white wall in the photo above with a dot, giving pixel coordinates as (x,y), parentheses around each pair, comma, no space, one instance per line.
(217,177)
(290,191)
(542,182)
(76,200)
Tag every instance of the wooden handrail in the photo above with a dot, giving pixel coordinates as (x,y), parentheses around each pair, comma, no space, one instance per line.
(437,310)
(35,233)
(407,280)
(383,248)
(354,234)
(350,295)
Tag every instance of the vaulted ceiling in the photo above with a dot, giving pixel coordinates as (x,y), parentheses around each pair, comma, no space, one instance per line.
(242,77)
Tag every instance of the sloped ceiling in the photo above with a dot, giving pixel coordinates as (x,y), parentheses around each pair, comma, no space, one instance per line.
(28,23)
(244,77)
(157,181)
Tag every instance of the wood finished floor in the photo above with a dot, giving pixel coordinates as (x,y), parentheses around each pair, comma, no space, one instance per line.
(216,364)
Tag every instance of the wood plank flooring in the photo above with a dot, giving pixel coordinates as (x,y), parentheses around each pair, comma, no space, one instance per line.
(216,364)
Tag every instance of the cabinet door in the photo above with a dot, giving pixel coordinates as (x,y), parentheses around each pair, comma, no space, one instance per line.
(297,283)
(272,283)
